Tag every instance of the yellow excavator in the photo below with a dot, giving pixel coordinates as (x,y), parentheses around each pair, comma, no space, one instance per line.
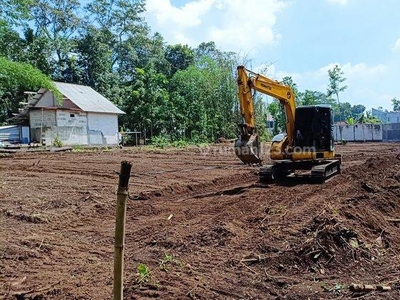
(308,143)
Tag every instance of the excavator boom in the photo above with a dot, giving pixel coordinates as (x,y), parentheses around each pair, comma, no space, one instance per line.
(247,146)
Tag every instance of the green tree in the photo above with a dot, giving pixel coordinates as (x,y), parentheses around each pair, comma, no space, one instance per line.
(312,98)
(342,112)
(368,118)
(204,97)
(11,45)
(179,56)
(147,105)
(56,22)
(124,30)
(336,86)
(357,110)
(396,104)
(276,109)
(122,18)
(15,79)
(12,12)
(278,115)
(13,15)
(95,60)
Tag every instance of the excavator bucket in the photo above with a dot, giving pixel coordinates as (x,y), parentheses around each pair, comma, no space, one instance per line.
(247,148)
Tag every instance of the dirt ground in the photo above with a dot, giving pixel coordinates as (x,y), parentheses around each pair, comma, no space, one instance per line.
(199,226)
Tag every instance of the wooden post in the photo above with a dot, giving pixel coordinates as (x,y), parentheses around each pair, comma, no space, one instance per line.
(41,129)
(122,196)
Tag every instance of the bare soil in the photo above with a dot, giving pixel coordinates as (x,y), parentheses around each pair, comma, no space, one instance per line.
(200,224)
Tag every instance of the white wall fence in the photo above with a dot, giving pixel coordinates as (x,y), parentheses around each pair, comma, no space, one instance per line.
(358,133)
(391,132)
(367,132)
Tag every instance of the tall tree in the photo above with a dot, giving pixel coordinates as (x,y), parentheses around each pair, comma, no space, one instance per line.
(13,15)
(179,56)
(12,12)
(204,97)
(147,106)
(122,18)
(396,104)
(312,98)
(95,59)
(336,80)
(11,45)
(122,22)
(357,110)
(56,21)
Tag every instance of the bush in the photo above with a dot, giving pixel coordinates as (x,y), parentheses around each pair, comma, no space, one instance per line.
(160,141)
(57,142)
(180,144)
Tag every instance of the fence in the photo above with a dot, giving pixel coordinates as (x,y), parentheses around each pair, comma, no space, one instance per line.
(367,132)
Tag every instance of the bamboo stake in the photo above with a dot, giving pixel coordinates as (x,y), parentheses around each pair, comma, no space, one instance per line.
(122,196)
(368,288)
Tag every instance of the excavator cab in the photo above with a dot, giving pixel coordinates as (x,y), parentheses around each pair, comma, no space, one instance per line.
(314,128)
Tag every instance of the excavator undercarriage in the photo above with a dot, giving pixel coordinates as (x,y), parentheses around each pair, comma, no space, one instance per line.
(320,170)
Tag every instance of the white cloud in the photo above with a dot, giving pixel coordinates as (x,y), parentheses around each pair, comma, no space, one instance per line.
(360,70)
(396,46)
(232,25)
(341,2)
(168,15)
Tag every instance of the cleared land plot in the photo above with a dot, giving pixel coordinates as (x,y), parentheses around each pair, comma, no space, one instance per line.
(200,223)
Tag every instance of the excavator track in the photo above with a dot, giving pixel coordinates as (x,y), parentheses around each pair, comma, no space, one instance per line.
(320,170)
(320,173)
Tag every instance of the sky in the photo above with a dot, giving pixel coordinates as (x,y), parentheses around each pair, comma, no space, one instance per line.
(298,38)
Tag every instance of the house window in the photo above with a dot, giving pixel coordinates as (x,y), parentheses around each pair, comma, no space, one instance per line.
(72,115)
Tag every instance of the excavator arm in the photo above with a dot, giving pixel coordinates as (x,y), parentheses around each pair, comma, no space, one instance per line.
(247,146)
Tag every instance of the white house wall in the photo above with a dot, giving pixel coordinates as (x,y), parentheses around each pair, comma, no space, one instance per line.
(103,128)
(387,117)
(41,122)
(68,126)
(42,118)
(71,127)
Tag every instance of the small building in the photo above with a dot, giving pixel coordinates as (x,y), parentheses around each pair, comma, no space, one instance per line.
(387,117)
(81,117)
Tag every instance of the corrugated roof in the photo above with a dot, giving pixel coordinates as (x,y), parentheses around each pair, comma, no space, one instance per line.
(87,98)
